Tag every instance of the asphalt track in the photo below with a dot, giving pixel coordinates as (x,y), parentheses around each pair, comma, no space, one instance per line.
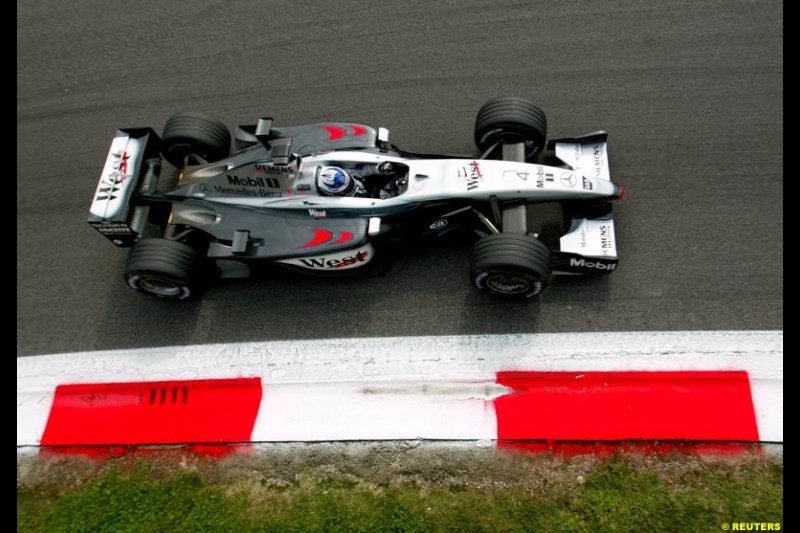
(691,94)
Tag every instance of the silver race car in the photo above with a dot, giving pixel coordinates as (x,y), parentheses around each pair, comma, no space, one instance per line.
(336,198)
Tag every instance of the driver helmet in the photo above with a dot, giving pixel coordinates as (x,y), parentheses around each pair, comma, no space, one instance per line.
(335,181)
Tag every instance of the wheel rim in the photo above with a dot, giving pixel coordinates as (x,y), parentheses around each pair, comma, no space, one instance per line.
(160,287)
(187,154)
(505,283)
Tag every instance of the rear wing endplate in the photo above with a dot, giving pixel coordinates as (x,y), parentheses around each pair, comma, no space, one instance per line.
(132,158)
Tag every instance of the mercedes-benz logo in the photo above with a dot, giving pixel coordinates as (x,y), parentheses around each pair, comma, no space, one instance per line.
(568,179)
(205,189)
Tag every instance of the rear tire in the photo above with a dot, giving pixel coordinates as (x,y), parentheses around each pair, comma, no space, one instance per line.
(194,138)
(511,119)
(511,265)
(163,269)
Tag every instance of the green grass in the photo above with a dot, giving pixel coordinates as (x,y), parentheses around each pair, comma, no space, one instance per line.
(615,494)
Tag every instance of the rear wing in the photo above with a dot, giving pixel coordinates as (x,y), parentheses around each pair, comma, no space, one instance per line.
(132,165)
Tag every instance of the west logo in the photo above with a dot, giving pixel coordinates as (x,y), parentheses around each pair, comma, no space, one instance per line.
(109,186)
(474,176)
(344,262)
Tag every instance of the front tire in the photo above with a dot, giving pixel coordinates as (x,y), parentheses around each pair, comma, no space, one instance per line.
(194,138)
(163,269)
(511,265)
(510,119)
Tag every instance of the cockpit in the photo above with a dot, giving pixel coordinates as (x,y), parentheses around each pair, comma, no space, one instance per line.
(367,180)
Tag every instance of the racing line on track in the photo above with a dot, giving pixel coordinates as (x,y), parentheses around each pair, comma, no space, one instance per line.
(572,387)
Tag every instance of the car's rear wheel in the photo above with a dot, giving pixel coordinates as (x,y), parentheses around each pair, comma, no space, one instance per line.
(511,119)
(194,138)
(163,269)
(511,265)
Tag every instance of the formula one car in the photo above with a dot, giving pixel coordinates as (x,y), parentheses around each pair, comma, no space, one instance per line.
(334,197)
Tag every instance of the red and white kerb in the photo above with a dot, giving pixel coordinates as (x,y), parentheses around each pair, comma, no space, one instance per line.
(668,386)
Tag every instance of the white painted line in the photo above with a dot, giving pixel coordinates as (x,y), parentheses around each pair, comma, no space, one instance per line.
(768,403)
(33,409)
(349,411)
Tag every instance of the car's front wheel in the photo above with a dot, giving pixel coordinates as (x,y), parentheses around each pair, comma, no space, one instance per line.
(511,265)
(162,268)
(510,119)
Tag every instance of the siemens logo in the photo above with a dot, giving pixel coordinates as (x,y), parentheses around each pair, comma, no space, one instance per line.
(583,263)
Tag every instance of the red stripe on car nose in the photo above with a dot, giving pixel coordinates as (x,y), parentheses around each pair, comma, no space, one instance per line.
(345,236)
(335,132)
(321,236)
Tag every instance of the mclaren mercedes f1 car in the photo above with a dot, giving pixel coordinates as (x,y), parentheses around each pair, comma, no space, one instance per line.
(333,197)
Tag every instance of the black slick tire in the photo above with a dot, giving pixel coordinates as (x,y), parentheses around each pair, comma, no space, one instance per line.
(511,119)
(194,138)
(163,269)
(511,265)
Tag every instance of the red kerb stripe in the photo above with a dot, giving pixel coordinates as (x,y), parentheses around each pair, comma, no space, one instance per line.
(598,406)
(201,411)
